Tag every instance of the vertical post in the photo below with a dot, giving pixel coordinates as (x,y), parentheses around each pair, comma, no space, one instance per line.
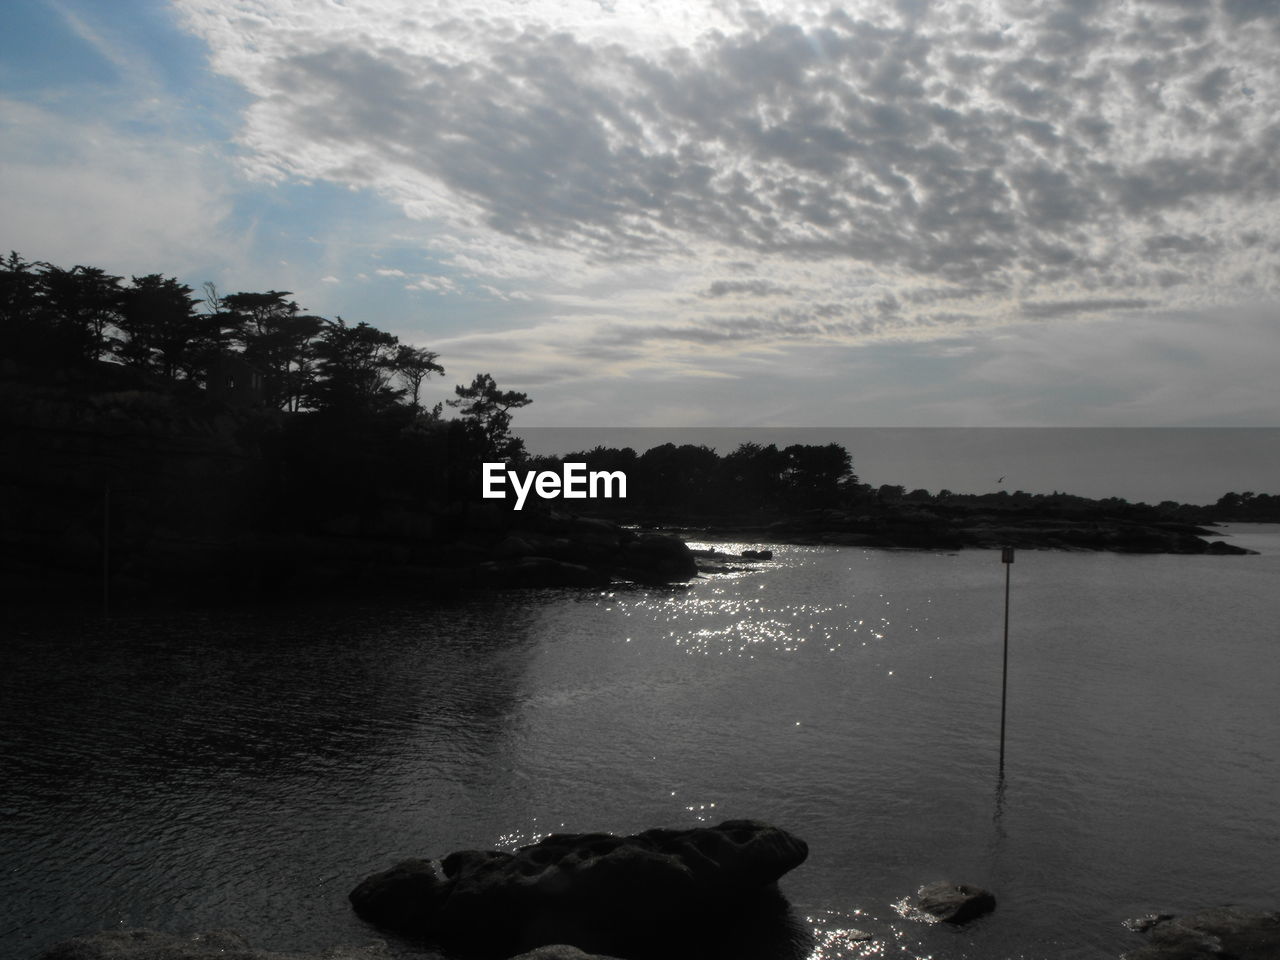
(1006,557)
(106,550)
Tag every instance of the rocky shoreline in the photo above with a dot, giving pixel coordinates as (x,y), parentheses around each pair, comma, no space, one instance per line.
(1215,933)
(925,530)
(662,894)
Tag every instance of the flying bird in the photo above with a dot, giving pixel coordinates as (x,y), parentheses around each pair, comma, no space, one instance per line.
(1001,480)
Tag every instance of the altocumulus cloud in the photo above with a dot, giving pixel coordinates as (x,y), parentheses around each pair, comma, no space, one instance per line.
(791,171)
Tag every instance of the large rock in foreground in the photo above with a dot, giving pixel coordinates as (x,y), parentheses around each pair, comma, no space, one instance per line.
(630,896)
(1221,933)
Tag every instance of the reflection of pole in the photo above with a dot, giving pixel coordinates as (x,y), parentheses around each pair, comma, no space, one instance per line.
(1006,557)
(106,550)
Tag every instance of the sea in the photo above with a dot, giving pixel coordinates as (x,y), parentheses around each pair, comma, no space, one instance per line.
(242,769)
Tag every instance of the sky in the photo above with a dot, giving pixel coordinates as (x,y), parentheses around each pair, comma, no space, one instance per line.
(689,213)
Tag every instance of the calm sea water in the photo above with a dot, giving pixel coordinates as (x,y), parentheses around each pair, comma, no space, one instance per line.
(244,770)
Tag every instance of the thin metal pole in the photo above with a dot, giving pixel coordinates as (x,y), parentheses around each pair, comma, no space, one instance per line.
(1004,676)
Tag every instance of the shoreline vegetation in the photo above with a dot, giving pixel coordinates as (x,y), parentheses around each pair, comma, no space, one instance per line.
(163,447)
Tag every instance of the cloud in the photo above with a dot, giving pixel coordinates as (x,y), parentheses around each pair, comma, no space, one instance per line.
(1148,368)
(747,288)
(666,192)
(440,285)
(1060,308)
(953,145)
(78,190)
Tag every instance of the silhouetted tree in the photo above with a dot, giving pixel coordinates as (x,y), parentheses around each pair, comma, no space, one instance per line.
(79,305)
(161,331)
(483,403)
(816,474)
(683,477)
(601,458)
(226,327)
(756,468)
(354,366)
(279,340)
(415,364)
(26,335)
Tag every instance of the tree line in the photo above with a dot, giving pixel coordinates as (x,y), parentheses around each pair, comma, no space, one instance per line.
(54,318)
(753,480)
(765,482)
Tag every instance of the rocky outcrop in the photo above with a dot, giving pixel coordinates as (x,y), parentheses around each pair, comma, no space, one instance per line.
(954,902)
(556,550)
(655,558)
(179,498)
(627,895)
(717,561)
(1220,933)
(936,530)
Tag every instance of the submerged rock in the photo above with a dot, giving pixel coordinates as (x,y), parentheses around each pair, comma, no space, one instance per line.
(596,891)
(1147,921)
(954,902)
(560,951)
(1219,932)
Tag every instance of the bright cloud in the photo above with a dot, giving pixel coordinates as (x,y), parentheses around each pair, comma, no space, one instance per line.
(1015,152)
(77,191)
(780,192)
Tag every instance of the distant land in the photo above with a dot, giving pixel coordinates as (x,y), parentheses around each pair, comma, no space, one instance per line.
(164,446)
(1194,465)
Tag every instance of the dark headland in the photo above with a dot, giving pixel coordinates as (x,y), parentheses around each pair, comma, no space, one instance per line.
(160,447)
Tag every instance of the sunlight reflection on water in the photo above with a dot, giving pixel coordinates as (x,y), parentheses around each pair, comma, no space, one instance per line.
(213,771)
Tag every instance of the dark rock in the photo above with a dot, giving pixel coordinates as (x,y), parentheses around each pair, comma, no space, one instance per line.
(402,898)
(596,891)
(1221,547)
(462,862)
(757,554)
(1146,922)
(1224,933)
(954,902)
(655,558)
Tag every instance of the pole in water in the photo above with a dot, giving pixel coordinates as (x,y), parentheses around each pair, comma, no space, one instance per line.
(1006,557)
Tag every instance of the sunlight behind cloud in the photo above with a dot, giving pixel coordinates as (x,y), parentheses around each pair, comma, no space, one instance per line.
(950,156)
(721,188)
